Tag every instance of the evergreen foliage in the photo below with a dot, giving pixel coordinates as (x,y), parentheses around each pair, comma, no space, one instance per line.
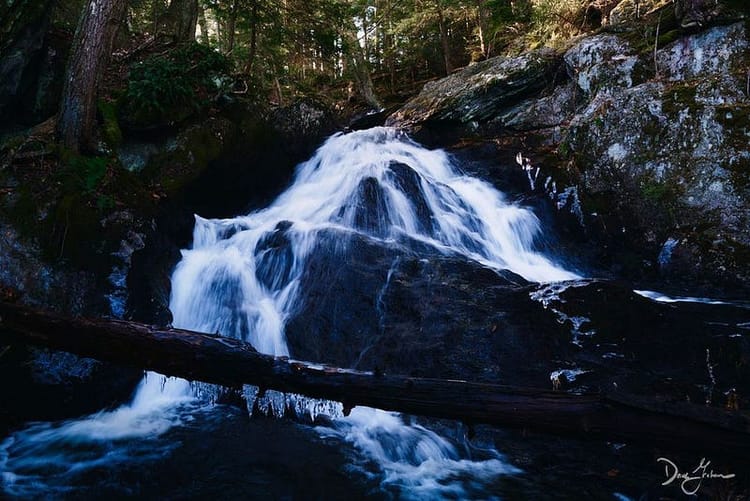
(167,88)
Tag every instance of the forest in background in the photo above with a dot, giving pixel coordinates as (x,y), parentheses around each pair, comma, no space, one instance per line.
(170,56)
(384,48)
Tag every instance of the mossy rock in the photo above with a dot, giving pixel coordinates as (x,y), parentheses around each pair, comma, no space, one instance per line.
(190,153)
(111,132)
(655,29)
(153,118)
(24,212)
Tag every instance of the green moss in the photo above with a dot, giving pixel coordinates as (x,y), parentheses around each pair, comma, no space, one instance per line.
(196,148)
(80,173)
(59,205)
(110,124)
(25,213)
(667,38)
(680,96)
(655,191)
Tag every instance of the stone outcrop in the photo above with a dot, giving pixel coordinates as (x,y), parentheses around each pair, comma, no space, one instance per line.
(652,140)
(668,157)
(481,91)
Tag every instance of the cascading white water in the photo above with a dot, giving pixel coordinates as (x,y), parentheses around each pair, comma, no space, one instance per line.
(44,458)
(381,185)
(242,278)
(374,182)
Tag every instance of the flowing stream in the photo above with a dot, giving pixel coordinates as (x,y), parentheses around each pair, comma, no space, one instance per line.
(244,278)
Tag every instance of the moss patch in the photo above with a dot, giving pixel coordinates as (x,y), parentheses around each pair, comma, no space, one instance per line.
(191,154)
(657,192)
(110,125)
(643,35)
(681,96)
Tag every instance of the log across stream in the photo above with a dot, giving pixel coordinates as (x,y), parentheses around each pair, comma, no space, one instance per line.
(230,362)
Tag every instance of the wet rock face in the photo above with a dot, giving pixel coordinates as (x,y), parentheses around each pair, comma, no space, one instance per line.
(620,341)
(387,308)
(377,307)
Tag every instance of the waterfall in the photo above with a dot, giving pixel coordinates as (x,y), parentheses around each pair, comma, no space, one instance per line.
(243,278)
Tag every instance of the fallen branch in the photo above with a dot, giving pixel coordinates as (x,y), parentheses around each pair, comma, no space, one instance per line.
(230,362)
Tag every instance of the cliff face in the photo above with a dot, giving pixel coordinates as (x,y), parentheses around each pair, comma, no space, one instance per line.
(671,152)
(649,133)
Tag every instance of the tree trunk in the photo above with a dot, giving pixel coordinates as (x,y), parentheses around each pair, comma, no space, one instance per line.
(92,46)
(181,20)
(203,23)
(482,29)
(253,37)
(231,362)
(444,42)
(365,39)
(232,27)
(277,87)
(360,68)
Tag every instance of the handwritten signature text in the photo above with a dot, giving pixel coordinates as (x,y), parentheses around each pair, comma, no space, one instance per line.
(690,482)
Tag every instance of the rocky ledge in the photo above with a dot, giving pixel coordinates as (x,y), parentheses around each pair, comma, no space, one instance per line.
(644,134)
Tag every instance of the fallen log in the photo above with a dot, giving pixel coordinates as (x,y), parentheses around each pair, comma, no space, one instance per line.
(230,362)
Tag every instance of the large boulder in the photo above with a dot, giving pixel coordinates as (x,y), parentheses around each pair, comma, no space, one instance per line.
(480,91)
(414,311)
(667,161)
